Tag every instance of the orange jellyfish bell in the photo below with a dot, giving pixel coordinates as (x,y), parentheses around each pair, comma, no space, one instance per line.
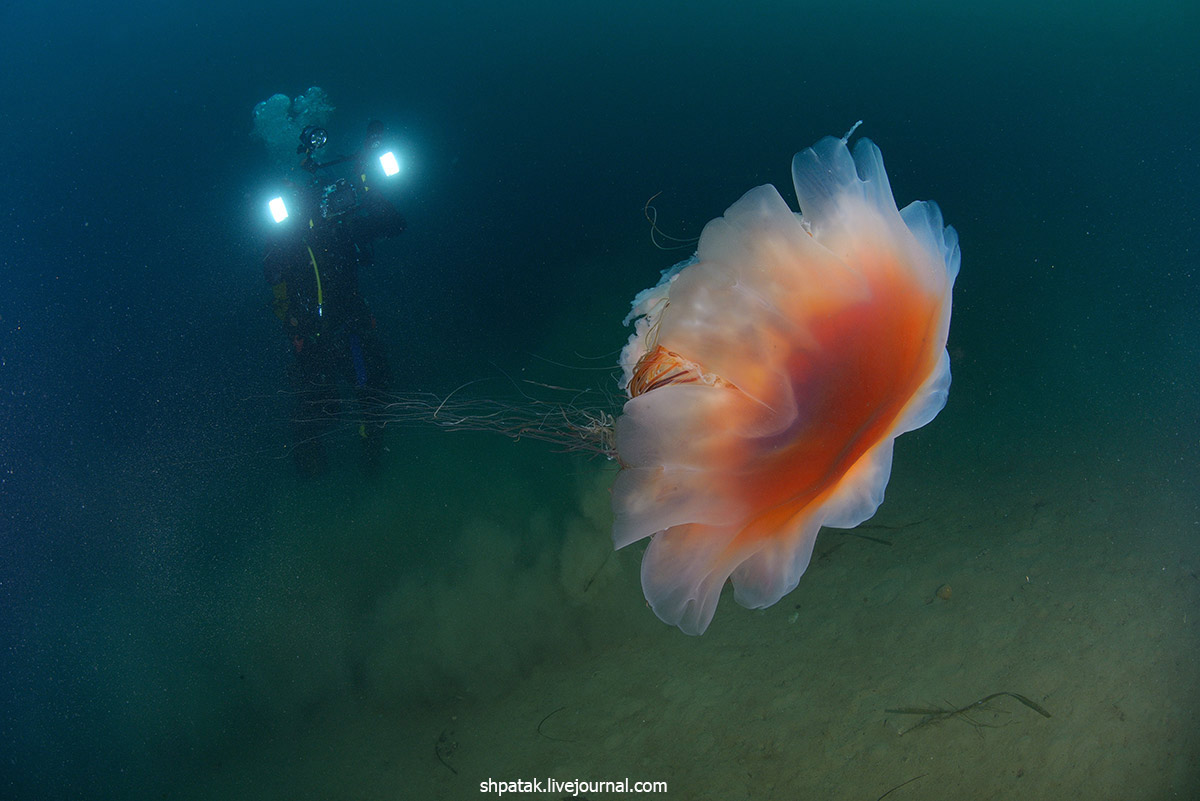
(769,376)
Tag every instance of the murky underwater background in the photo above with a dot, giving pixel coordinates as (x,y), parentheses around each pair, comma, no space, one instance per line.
(183,617)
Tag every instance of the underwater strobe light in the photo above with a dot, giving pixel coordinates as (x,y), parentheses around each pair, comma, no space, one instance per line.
(389,164)
(278,210)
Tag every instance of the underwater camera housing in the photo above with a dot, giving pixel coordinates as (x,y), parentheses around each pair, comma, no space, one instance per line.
(337,199)
(312,138)
(328,201)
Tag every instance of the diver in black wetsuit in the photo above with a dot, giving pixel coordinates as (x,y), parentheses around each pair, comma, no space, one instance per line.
(313,273)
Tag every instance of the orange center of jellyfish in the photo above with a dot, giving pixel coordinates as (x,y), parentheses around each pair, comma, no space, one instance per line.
(852,379)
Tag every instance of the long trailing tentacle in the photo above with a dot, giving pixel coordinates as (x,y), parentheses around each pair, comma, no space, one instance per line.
(657,237)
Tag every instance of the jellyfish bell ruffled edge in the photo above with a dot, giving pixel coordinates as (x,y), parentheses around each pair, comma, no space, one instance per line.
(846,206)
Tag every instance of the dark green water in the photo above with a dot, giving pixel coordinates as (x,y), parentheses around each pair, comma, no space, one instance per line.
(172,596)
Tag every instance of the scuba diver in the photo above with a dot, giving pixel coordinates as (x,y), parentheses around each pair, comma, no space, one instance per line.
(312,269)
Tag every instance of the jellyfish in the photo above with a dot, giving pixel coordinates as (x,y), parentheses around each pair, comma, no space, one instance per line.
(769,375)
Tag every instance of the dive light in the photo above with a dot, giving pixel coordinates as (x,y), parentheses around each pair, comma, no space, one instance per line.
(278,209)
(389,164)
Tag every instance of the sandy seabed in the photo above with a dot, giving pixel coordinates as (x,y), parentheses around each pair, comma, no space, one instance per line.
(1071,580)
